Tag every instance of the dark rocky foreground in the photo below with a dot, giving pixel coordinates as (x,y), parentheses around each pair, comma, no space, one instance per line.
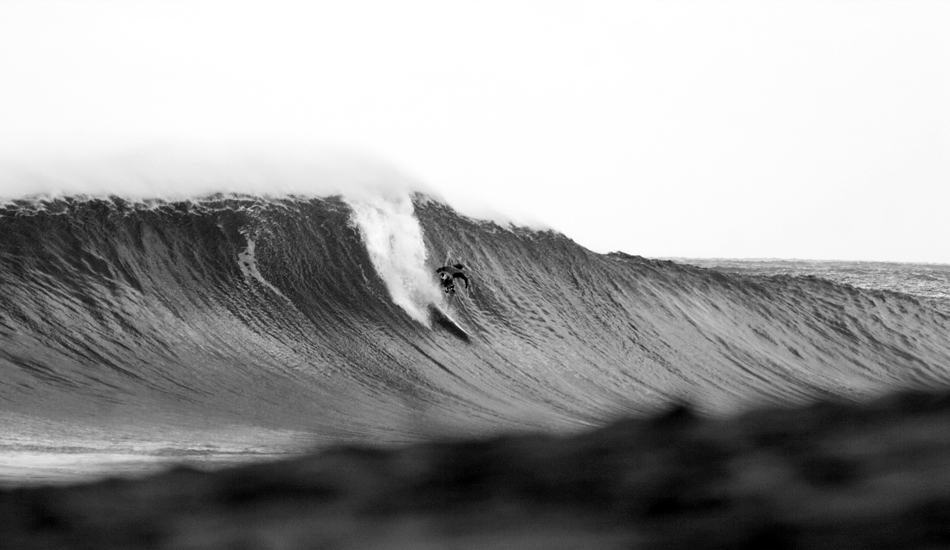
(828,475)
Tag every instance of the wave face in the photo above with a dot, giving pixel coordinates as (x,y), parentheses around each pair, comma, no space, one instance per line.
(313,314)
(931,282)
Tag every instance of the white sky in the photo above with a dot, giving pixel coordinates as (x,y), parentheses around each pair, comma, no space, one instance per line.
(699,129)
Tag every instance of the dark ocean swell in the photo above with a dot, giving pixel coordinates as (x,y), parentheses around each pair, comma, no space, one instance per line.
(313,315)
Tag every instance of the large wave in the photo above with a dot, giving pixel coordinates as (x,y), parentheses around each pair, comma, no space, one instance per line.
(312,314)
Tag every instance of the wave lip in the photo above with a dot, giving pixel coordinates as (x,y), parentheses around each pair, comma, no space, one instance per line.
(180,172)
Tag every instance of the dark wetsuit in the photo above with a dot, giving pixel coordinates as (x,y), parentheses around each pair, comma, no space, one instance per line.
(448,274)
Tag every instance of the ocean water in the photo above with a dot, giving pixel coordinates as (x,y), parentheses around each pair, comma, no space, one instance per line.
(227,328)
(928,282)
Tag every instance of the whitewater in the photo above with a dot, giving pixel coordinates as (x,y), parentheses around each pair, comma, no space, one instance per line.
(242,325)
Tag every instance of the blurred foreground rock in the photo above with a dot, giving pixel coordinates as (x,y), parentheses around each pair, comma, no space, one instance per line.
(825,476)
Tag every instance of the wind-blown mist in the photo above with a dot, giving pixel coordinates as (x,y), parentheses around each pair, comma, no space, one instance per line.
(174,172)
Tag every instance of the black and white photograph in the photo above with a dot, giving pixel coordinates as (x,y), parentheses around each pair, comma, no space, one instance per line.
(474,274)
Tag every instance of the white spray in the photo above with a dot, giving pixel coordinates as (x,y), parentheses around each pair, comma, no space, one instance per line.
(393,238)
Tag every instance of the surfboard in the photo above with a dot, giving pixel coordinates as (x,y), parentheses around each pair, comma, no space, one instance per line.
(441,318)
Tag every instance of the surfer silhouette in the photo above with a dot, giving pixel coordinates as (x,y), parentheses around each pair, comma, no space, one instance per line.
(448,274)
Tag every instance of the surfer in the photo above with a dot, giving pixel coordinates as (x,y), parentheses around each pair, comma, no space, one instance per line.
(448,274)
